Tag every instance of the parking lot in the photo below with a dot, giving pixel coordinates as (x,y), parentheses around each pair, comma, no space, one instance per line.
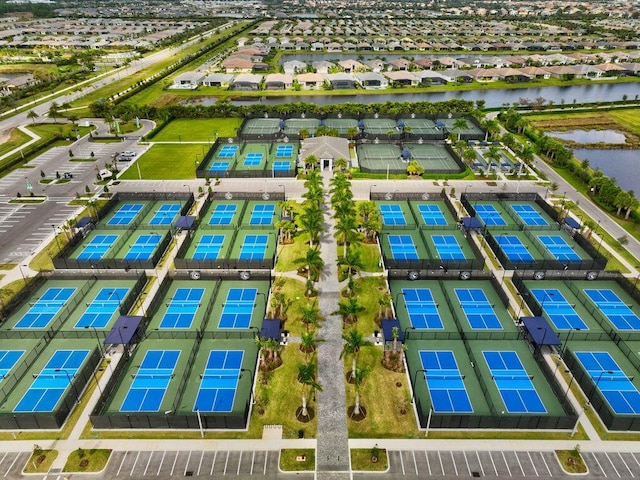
(12,463)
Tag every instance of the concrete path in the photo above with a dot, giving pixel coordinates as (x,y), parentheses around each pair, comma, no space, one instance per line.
(332,445)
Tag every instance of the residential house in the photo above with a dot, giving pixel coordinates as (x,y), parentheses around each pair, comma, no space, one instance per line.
(430,77)
(322,66)
(237,63)
(310,81)
(218,80)
(247,81)
(188,80)
(351,66)
(278,81)
(341,81)
(375,65)
(401,64)
(294,66)
(372,80)
(402,78)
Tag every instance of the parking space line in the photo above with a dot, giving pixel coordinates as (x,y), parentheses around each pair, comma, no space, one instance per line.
(122,463)
(625,464)
(612,464)
(599,466)
(148,463)
(12,464)
(186,465)
(266,454)
(253,457)
(3,457)
(226,462)
(415,464)
(453,460)
(506,464)
(519,464)
(200,464)
(464,454)
(239,463)
(402,464)
(440,459)
(134,463)
(213,464)
(175,460)
(493,463)
(636,459)
(161,462)
(480,463)
(426,455)
(533,464)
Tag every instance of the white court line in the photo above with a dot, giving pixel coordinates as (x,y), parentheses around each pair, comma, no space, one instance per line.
(134,464)
(533,464)
(122,463)
(164,453)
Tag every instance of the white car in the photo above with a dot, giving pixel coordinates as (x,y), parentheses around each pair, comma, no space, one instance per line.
(129,153)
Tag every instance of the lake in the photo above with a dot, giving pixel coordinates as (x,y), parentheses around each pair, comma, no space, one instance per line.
(623,165)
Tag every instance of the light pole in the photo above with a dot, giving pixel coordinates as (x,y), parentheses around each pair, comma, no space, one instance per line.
(251,397)
(73,385)
(55,235)
(544,298)
(371,188)
(595,385)
(115,292)
(413,384)
(97,338)
(200,422)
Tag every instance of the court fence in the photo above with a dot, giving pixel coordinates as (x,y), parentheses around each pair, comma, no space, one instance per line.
(382,168)
(22,367)
(31,284)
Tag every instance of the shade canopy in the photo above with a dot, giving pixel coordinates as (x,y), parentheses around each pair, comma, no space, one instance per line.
(471,222)
(186,222)
(540,331)
(124,331)
(572,223)
(270,329)
(388,325)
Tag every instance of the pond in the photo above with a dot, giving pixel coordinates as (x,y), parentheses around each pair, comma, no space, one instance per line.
(590,136)
(623,165)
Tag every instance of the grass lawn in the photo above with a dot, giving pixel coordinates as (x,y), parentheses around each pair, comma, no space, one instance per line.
(64,130)
(571,461)
(14,139)
(368,291)
(93,460)
(166,162)
(288,253)
(198,130)
(383,400)
(369,255)
(624,119)
(40,461)
(297,459)
(361,460)
(294,291)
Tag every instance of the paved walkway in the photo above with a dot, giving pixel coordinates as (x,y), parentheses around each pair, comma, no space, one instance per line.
(332,445)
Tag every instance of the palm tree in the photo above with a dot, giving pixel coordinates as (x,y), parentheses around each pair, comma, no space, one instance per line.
(312,261)
(469,155)
(287,230)
(459,125)
(312,223)
(352,262)
(310,162)
(310,315)
(32,115)
(349,310)
(287,207)
(261,342)
(493,154)
(308,343)
(346,232)
(340,164)
(354,341)
(414,168)
(358,377)
(54,110)
(306,376)
(352,132)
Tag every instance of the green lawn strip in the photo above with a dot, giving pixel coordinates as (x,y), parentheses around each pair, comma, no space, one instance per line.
(388,406)
(40,461)
(16,138)
(369,256)
(288,253)
(362,460)
(571,461)
(165,162)
(294,291)
(92,460)
(297,459)
(7,266)
(368,291)
(28,200)
(8,291)
(198,130)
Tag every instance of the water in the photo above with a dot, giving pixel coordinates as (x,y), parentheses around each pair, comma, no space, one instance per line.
(623,165)
(590,136)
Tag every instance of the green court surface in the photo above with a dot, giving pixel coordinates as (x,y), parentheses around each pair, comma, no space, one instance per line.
(418,243)
(341,124)
(421,126)
(450,122)
(253,314)
(152,234)
(260,214)
(447,321)
(531,206)
(253,156)
(424,211)
(198,367)
(222,213)
(63,382)
(192,315)
(199,250)
(198,130)
(482,206)
(294,125)
(261,126)
(395,214)
(532,247)
(435,236)
(432,157)
(380,157)
(246,236)
(380,126)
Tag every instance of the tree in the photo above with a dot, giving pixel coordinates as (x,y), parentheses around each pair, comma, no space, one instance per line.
(346,232)
(54,110)
(414,168)
(349,310)
(312,261)
(312,222)
(358,377)
(32,115)
(287,230)
(493,154)
(354,341)
(352,132)
(340,164)
(308,343)
(287,207)
(306,376)
(351,262)
(460,124)
(310,315)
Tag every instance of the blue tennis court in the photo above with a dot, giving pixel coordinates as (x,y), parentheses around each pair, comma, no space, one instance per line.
(489,215)
(49,385)
(254,247)
(97,247)
(402,247)
(238,308)
(227,151)
(8,360)
(219,167)
(560,312)
(392,214)
(514,383)
(618,313)
(208,247)
(559,248)
(182,308)
(432,215)
(102,308)
(262,214)
(223,214)
(253,159)
(151,381)
(165,214)
(444,381)
(477,309)
(421,308)
(513,248)
(125,214)
(284,151)
(448,247)
(45,308)
(608,377)
(281,166)
(219,381)
(143,247)
(529,215)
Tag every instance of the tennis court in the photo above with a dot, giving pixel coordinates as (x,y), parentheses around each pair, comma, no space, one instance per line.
(513,248)
(8,360)
(182,308)
(489,214)
(433,157)
(151,381)
(237,310)
(143,247)
(614,385)
(392,214)
(421,126)
(102,308)
(261,126)
(219,381)
(559,248)
(402,247)
(284,151)
(381,157)
(619,313)
(529,215)
(292,126)
(471,128)
(45,308)
(431,214)
(227,151)
(561,313)
(165,214)
(379,126)
(342,125)
(477,309)
(513,382)
(219,167)
(447,247)
(50,384)
(223,213)
(253,160)
(422,308)
(208,247)
(445,382)
(262,214)
(281,166)
(125,214)
(253,247)
(97,247)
